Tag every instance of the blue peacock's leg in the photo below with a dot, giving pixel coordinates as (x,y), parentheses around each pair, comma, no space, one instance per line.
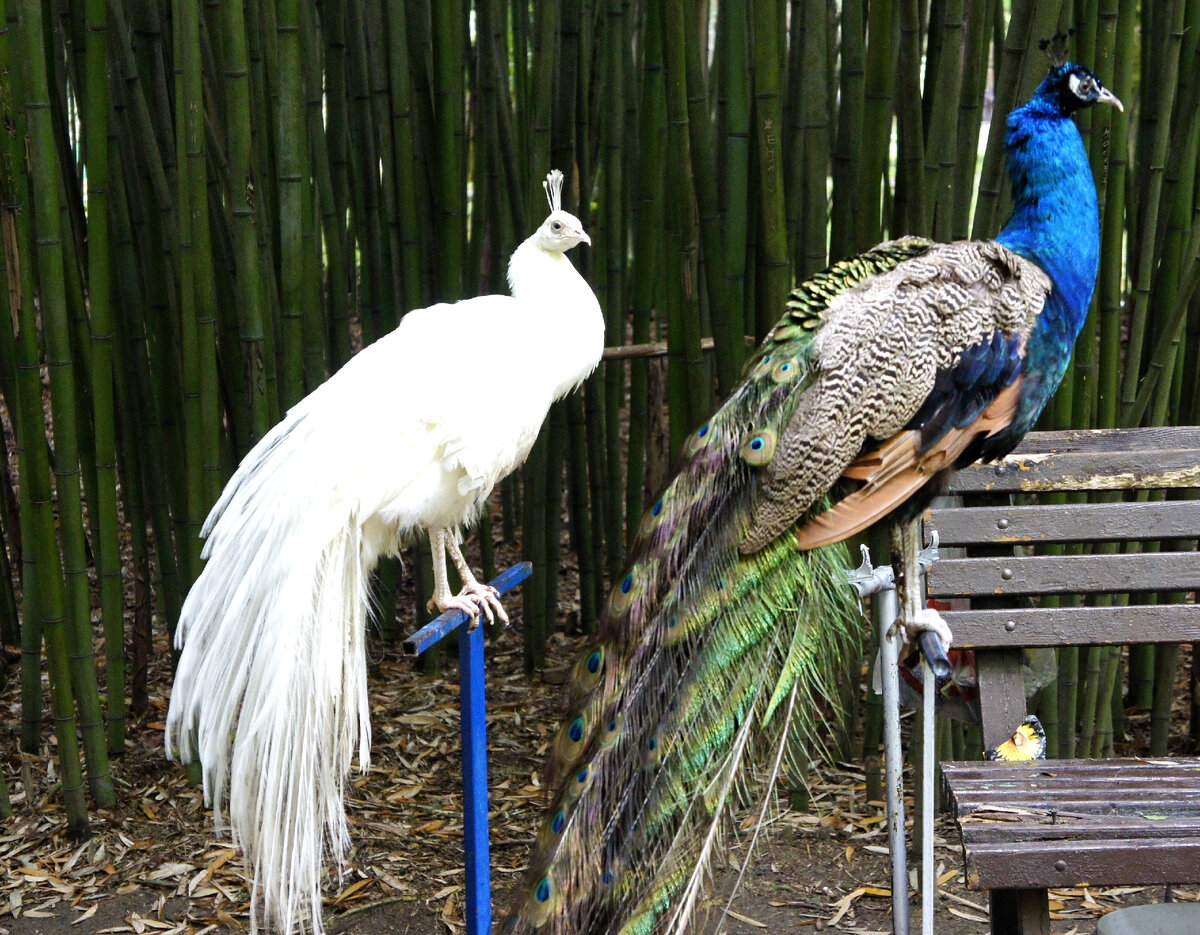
(914,616)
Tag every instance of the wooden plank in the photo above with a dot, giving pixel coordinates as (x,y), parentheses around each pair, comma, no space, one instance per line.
(1074,626)
(1087,522)
(1113,459)
(1136,439)
(1132,861)
(1003,575)
(1001,694)
(1120,767)
(984,830)
(1169,801)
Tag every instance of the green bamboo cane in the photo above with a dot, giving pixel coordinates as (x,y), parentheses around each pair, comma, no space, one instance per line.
(712,240)
(449,30)
(734,70)
(404,132)
(335,199)
(970,115)
(773,273)
(582,531)
(377,43)
(57,598)
(877,121)
(364,183)
(1020,65)
(941,145)
(294,173)
(848,154)
(1166,72)
(24,397)
(910,216)
(49,251)
(1112,257)
(242,200)
(811,247)
(106,542)
(649,219)
(689,378)
(326,271)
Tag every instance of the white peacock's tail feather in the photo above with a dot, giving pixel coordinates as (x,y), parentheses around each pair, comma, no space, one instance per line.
(274,632)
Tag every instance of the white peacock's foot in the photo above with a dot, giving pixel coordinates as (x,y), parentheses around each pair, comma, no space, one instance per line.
(488,599)
(480,601)
(926,619)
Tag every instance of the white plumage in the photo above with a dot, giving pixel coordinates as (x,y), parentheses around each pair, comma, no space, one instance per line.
(271,691)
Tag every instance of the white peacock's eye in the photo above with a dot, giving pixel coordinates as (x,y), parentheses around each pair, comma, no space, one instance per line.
(556,227)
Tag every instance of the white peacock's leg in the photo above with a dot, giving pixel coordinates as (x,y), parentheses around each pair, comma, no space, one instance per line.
(442,599)
(487,597)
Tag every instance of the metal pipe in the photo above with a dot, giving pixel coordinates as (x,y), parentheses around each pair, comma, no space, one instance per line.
(894,759)
(928,765)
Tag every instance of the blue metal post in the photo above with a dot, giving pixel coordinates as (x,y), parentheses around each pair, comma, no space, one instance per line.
(475,784)
(474,745)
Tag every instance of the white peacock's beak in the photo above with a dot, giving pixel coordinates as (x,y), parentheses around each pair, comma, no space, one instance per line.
(1107,97)
(584,238)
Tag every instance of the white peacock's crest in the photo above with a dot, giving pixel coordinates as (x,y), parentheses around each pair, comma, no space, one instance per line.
(553,187)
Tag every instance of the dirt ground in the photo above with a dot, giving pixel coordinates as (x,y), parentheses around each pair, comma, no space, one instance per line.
(157,865)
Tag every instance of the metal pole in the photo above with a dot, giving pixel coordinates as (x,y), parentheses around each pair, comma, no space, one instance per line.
(894,759)
(475,784)
(474,744)
(928,723)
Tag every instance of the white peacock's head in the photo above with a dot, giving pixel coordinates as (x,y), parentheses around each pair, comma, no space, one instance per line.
(560,232)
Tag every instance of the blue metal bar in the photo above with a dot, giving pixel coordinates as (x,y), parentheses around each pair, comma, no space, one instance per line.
(475,783)
(474,745)
(453,619)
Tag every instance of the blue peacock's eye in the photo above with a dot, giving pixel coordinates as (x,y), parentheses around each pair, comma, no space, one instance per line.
(657,508)
(607,877)
(542,892)
(560,819)
(627,583)
(576,730)
(653,744)
(702,431)
(593,661)
(582,776)
(757,444)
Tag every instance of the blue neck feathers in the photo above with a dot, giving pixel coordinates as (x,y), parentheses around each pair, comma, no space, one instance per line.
(1056,219)
(1056,224)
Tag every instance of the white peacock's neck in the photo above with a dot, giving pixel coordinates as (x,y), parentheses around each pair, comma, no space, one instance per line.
(563,313)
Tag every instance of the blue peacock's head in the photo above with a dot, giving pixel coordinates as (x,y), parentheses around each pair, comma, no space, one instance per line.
(1070,87)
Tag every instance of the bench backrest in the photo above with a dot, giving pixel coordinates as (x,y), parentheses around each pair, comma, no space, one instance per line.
(1138,544)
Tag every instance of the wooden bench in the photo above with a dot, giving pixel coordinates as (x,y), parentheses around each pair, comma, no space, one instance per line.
(1026,827)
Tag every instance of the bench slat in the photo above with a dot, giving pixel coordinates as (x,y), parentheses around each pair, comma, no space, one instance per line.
(976,831)
(1112,459)
(1115,768)
(1133,860)
(998,576)
(1075,626)
(1089,522)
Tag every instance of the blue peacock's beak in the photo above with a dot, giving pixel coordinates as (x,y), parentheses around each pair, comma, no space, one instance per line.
(1107,97)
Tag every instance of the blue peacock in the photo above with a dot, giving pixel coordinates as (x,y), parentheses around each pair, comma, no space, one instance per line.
(887,371)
